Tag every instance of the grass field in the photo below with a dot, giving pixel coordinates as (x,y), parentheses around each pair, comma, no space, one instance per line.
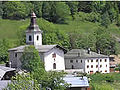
(9,28)
(100,81)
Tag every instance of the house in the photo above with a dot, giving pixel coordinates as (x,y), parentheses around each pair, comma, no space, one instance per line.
(51,55)
(87,60)
(76,83)
(114,62)
(6,73)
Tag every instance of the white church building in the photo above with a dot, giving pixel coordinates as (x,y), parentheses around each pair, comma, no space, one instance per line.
(55,56)
(51,55)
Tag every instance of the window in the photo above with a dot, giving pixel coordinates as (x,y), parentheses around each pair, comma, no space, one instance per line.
(105,70)
(91,66)
(76,61)
(100,60)
(54,65)
(15,54)
(105,60)
(87,60)
(96,66)
(97,60)
(106,65)
(71,61)
(72,67)
(54,55)
(81,61)
(37,37)
(100,65)
(91,60)
(87,66)
(30,38)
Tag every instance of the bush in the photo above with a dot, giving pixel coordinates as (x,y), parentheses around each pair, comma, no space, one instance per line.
(101,87)
(92,17)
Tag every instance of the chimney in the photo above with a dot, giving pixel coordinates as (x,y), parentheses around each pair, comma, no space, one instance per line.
(88,51)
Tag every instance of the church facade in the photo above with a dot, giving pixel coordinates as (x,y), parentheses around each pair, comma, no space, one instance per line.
(51,55)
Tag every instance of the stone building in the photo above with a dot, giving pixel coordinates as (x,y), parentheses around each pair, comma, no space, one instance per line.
(51,55)
(87,60)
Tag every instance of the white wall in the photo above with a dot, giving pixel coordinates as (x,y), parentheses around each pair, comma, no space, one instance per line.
(34,40)
(105,65)
(83,65)
(38,42)
(49,60)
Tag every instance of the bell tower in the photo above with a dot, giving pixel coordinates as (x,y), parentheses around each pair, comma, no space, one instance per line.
(33,33)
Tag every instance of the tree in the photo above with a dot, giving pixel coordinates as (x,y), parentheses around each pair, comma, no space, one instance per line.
(31,60)
(73,7)
(55,81)
(62,11)
(24,81)
(84,6)
(14,10)
(108,11)
(46,8)
(1,9)
(4,46)
(104,42)
(37,8)
(86,41)
(21,35)
(73,36)
(105,20)
(55,12)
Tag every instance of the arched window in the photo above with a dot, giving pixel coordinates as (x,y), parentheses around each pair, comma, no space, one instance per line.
(37,37)
(30,38)
(54,65)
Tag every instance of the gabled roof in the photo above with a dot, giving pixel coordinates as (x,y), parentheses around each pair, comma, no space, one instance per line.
(76,81)
(4,69)
(40,48)
(82,53)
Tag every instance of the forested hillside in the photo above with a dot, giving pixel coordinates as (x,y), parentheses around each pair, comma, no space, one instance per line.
(80,24)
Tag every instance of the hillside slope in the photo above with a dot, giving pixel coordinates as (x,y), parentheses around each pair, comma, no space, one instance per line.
(9,28)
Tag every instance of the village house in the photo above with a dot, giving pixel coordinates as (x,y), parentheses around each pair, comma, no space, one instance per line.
(76,83)
(90,62)
(51,55)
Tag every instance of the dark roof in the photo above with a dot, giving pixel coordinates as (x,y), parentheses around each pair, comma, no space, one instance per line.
(33,27)
(40,48)
(81,53)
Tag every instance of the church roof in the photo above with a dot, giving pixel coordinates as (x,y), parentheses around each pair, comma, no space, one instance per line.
(40,48)
(33,27)
(82,53)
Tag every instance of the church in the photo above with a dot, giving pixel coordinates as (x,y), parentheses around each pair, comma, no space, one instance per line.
(51,55)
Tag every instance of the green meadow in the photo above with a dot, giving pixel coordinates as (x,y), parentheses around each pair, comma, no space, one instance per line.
(9,28)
